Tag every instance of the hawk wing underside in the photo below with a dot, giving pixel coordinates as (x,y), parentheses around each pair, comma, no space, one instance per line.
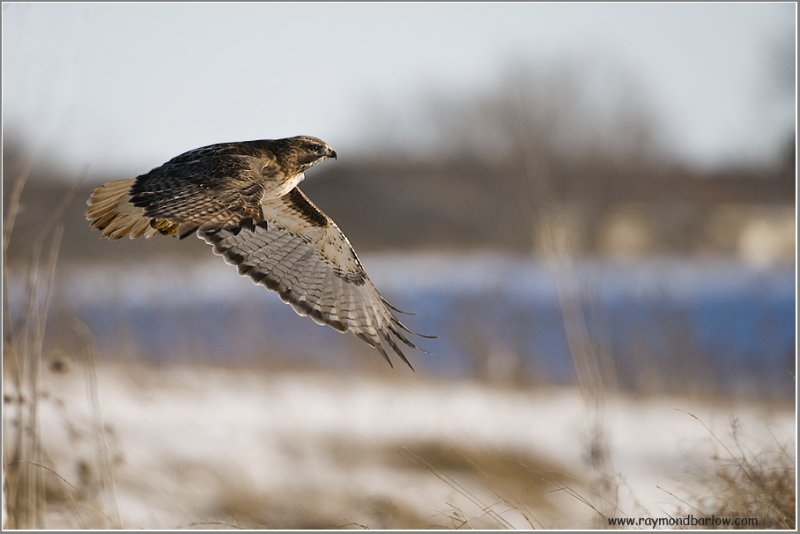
(299,252)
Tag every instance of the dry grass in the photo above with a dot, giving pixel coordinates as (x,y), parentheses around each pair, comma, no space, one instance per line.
(744,484)
(748,484)
(31,486)
(24,481)
(490,489)
(496,484)
(557,240)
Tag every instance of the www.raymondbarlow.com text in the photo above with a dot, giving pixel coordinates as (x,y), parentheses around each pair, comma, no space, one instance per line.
(683,521)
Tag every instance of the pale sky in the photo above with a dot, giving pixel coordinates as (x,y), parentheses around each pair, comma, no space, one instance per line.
(134,84)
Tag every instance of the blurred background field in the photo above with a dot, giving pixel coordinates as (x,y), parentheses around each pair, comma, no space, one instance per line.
(592,206)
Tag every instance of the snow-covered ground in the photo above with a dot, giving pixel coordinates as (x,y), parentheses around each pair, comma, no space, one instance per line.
(212,447)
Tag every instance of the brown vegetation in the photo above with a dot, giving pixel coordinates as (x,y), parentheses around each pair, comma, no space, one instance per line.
(746,485)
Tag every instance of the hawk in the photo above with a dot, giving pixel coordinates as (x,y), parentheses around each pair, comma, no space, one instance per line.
(243,199)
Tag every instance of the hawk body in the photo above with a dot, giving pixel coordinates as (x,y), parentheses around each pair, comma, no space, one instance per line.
(243,200)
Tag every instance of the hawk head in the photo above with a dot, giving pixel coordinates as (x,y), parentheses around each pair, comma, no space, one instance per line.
(302,152)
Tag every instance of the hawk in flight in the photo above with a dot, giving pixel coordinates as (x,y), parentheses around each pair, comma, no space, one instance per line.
(243,200)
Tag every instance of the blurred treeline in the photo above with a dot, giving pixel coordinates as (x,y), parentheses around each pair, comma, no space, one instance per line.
(486,172)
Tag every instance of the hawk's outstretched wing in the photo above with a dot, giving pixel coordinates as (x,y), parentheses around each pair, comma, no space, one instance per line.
(299,252)
(242,199)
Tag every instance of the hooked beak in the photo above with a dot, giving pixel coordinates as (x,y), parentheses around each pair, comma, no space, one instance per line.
(331,153)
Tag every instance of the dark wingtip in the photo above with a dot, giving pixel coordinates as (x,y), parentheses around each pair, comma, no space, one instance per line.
(397,350)
(426,336)
(407,329)
(393,307)
(385,356)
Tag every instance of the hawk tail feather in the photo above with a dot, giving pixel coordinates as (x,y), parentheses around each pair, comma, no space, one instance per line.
(110,211)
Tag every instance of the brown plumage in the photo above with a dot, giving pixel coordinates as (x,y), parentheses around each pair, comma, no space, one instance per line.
(243,200)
